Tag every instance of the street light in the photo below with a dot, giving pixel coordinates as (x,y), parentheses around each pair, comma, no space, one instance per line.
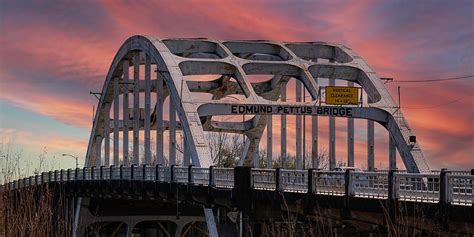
(75,157)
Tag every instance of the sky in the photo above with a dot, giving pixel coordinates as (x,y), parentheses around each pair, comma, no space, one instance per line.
(53,53)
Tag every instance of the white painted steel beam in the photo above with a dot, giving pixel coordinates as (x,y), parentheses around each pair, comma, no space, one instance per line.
(125,113)
(269,141)
(332,137)
(350,137)
(159,118)
(116,121)
(283,128)
(172,133)
(136,109)
(392,153)
(107,134)
(147,129)
(370,145)
(299,161)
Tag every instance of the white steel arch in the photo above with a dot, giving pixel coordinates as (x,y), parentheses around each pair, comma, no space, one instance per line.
(233,61)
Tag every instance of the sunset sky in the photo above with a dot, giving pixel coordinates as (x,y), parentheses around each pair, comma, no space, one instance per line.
(52,54)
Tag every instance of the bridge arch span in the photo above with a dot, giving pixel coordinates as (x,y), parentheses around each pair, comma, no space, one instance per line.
(233,62)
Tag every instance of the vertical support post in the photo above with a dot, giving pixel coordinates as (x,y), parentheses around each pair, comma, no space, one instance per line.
(391,185)
(443,189)
(106,132)
(242,186)
(348,183)
(299,163)
(172,174)
(147,110)
(125,112)
(304,131)
(444,197)
(98,149)
(370,145)
(278,187)
(159,117)
(172,132)
(314,142)
(186,157)
(283,127)
(136,108)
(311,181)
(350,137)
(349,193)
(332,136)
(392,153)
(190,174)
(211,176)
(255,155)
(269,142)
(116,121)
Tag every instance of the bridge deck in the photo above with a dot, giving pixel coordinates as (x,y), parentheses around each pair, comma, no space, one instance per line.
(455,188)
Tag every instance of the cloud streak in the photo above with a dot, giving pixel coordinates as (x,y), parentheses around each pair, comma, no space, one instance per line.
(52,55)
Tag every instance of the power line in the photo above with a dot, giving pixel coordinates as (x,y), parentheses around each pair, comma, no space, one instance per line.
(439,105)
(437,80)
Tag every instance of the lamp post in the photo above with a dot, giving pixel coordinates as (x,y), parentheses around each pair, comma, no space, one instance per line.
(75,157)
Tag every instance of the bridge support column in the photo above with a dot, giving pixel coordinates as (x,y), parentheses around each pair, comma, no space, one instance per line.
(314,142)
(125,112)
(332,137)
(136,108)
(98,160)
(370,145)
(116,121)
(106,134)
(299,163)
(269,141)
(350,138)
(159,118)
(211,224)
(392,153)
(283,127)
(147,111)
(172,133)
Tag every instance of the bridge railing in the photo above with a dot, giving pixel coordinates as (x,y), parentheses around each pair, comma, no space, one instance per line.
(369,184)
(200,175)
(417,187)
(292,180)
(180,174)
(328,182)
(460,189)
(149,173)
(264,179)
(222,177)
(446,187)
(164,174)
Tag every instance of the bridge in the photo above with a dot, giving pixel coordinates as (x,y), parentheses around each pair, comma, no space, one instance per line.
(201,86)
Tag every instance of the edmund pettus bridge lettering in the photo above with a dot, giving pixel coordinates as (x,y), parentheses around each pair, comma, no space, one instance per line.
(281,109)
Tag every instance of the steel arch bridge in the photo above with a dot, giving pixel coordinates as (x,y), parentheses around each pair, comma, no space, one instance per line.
(234,62)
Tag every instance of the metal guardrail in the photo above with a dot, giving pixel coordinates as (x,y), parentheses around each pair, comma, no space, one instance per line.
(293,180)
(460,189)
(329,183)
(456,188)
(369,184)
(263,179)
(200,176)
(222,177)
(417,187)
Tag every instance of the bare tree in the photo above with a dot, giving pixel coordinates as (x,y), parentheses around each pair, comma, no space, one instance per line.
(225,148)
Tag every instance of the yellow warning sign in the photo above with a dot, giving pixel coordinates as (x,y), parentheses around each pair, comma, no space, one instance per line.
(340,95)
